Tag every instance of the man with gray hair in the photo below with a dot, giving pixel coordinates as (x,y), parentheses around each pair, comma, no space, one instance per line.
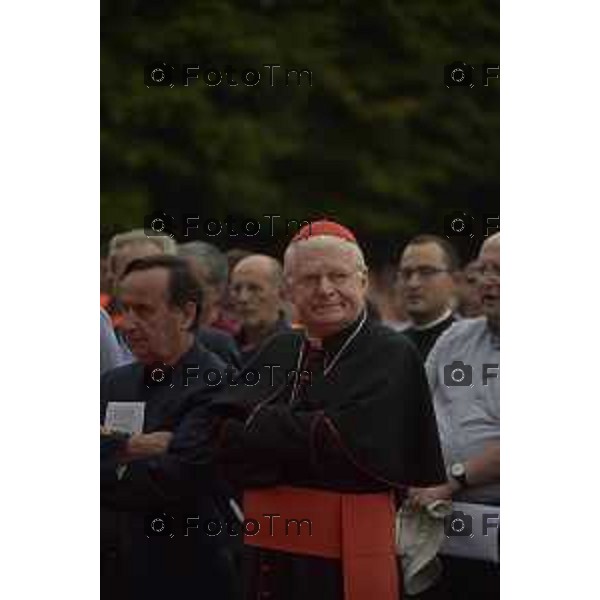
(123,249)
(211,269)
(338,420)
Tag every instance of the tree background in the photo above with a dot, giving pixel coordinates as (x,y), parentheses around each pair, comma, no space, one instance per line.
(378,141)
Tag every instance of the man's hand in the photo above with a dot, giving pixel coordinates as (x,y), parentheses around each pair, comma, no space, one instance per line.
(422,497)
(145,445)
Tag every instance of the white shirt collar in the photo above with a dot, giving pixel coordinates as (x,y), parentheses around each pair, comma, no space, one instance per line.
(435,322)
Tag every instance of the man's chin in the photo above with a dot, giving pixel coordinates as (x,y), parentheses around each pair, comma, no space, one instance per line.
(325,325)
(416,308)
(141,353)
(330,315)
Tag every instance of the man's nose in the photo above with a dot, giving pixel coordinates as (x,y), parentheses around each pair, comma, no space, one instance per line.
(325,286)
(413,281)
(129,320)
(243,294)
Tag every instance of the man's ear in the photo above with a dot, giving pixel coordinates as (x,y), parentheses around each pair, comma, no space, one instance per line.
(188,312)
(365,279)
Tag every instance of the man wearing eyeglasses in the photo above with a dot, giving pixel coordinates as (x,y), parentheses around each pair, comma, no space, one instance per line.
(426,282)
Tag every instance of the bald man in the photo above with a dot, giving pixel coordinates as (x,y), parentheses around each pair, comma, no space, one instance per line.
(464,374)
(339,421)
(256,294)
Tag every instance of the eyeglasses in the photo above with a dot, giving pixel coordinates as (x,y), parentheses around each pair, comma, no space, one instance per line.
(424,273)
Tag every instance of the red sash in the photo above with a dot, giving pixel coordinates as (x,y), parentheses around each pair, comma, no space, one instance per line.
(357,529)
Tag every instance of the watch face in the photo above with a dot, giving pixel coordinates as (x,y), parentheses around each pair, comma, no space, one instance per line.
(457,470)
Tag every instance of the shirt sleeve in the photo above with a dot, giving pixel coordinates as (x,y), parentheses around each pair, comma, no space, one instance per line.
(111,353)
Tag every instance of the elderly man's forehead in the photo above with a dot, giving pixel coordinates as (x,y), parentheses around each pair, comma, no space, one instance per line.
(324,245)
(256,264)
(491,247)
(317,259)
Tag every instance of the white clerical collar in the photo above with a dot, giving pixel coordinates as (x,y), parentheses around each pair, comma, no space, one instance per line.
(431,324)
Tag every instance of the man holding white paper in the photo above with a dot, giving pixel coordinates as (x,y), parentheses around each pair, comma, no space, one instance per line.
(156,461)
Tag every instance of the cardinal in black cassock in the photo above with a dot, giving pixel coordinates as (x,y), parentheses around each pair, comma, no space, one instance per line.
(327,442)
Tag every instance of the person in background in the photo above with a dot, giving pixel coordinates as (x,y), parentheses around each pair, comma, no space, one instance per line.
(105,287)
(382,296)
(234,255)
(427,283)
(209,267)
(122,249)
(464,374)
(112,354)
(469,294)
(129,245)
(256,291)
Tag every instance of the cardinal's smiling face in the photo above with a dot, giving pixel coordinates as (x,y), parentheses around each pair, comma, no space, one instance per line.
(327,283)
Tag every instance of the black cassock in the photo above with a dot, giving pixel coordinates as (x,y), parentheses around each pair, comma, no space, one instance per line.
(364,425)
(180,483)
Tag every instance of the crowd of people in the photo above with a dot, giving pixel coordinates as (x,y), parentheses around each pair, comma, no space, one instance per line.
(241,392)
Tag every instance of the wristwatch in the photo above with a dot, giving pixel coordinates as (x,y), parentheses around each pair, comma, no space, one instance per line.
(459,474)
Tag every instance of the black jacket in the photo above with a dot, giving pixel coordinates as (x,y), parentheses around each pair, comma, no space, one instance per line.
(220,343)
(137,563)
(368,425)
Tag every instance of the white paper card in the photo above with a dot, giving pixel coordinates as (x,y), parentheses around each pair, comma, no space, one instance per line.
(127,417)
(482,529)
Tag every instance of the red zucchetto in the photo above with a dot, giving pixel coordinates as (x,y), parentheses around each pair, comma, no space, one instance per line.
(324,227)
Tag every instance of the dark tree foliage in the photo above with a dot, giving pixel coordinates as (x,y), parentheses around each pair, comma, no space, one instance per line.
(377,140)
